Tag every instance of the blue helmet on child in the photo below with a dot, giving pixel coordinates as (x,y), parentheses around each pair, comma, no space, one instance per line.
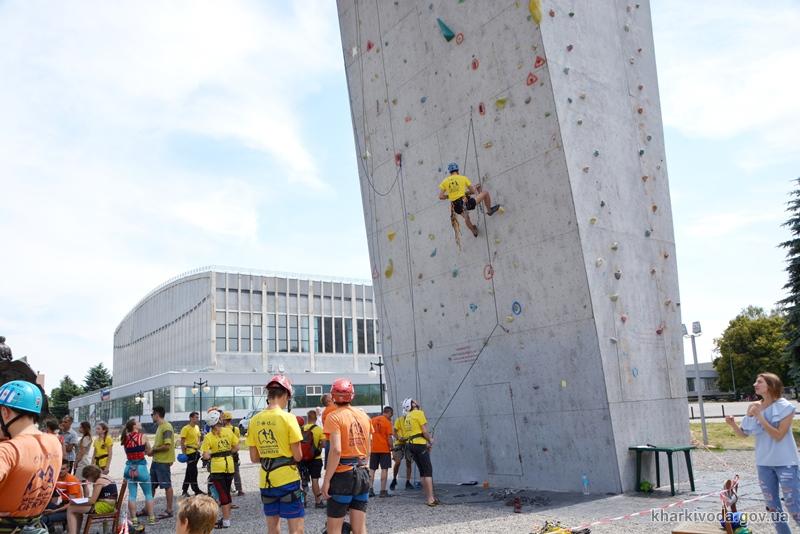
(452,167)
(21,396)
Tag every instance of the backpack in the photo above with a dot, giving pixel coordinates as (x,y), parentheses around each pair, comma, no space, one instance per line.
(310,451)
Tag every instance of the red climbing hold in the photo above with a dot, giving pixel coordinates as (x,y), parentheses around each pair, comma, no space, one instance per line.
(408,118)
(370,45)
(488,271)
(482,109)
(398,159)
(475,64)
(375,273)
(459,38)
(552,13)
(539,62)
(532,79)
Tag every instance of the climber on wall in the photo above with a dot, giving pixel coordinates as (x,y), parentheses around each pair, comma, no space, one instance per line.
(464,196)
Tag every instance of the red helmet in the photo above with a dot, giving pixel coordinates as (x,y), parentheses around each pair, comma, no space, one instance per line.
(342,390)
(300,421)
(282,381)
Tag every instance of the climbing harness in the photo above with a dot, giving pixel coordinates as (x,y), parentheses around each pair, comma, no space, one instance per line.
(271,464)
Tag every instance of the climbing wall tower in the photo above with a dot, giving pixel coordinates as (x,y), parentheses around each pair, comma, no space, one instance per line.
(544,348)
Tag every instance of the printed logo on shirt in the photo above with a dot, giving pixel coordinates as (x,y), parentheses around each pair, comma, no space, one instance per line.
(39,490)
(357,435)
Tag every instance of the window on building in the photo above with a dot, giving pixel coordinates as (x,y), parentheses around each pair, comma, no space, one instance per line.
(271,334)
(256,300)
(317,304)
(339,335)
(369,309)
(233,340)
(318,334)
(360,333)
(220,298)
(690,385)
(294,341)
(233,299)
(257,319)
(244,332)
(303,304)
(328,324)
(359,308)
(244,318)
(337,306)
(245,296)
(348,335)
(313,391)
(292,302)
(370,336)
(220,337)
(281,302)
(257,339)
(304,333)
(326,305)
(710,384)
(283,345)
(233,318)
(347,307)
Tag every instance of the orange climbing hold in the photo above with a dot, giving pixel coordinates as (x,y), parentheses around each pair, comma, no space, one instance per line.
(532,79)
(539,62)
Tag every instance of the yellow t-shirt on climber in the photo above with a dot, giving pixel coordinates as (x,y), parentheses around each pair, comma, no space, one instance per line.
(455,185)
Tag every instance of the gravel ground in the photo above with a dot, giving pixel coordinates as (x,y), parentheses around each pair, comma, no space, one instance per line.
(473,509)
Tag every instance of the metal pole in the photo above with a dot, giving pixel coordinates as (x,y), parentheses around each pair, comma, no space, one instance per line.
(380,379)
(699,389)
(733,378)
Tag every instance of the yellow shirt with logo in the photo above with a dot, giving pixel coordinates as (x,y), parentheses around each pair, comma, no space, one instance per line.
(413,426)
(398,426)
(164,436)
(272,432)
(318,436)
(455,185)
(214,444)
(101,448)
(191,436)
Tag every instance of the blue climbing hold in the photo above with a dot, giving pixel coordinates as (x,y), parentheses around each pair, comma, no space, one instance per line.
(433,253)
(473,307)
(516,308)
(447,33)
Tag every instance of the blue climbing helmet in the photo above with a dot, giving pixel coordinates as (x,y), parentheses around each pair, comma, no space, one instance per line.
(452,167)
(21,396)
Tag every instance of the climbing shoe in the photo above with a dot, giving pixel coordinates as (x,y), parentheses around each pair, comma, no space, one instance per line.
(493,209)
(409,485)
(393,485)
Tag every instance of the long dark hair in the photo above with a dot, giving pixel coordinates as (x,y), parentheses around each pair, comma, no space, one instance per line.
(129,426)
(86,429)
(105,429)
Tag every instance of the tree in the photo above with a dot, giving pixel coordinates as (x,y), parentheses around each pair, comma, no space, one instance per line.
(60,396)
(791,304)
(754,341)
(98,377)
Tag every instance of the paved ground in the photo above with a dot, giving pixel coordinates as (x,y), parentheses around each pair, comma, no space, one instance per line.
(472,509)
(716,409)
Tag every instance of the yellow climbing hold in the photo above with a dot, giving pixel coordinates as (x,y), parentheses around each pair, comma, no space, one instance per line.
(389,270)
(391,235)
(563,384)
(509,318)
(500,103)
(535,7)
(411,217)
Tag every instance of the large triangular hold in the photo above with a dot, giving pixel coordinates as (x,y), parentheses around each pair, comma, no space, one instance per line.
(447,33)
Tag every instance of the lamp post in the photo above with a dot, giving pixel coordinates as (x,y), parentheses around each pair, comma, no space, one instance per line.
(380,365)
(200,386)
(733,377)
(697,331)
(139,399)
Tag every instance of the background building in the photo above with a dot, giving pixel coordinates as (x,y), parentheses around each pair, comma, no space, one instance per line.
(220,332)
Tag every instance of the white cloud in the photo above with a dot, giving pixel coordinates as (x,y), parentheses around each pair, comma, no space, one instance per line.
(714,225)
(96,211)
(728,68)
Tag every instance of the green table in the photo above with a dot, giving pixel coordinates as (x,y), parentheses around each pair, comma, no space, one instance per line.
(669,450)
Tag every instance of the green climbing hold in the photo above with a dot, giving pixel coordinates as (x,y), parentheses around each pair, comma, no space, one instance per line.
(447,33)
(500,103)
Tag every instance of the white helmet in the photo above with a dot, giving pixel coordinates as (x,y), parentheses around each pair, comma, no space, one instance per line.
(212,418)
(407,405)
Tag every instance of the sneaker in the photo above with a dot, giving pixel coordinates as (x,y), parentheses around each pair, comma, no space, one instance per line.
(493,209)
(371,492)
(383,494)
(220,524)
(418,485)
(409,485)
(151,520)
(393,485)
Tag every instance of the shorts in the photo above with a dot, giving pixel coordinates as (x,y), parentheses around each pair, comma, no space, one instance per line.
(286,510)
(142,479)
(160,475)
(458,205)
(421,455)
(314,467)
(382,459)
(399,453)
(103,507)
(219,487)
(349,490)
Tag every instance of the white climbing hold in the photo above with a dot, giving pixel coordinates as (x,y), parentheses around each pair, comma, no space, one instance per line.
(614,297)
(598,262)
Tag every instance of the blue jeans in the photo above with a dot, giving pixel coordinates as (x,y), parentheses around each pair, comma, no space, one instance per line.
(787,479)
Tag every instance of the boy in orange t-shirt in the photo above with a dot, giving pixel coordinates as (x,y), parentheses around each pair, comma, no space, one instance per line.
(381,455)
(346,486)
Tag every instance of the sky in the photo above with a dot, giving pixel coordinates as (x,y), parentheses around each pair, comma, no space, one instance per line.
(139,140)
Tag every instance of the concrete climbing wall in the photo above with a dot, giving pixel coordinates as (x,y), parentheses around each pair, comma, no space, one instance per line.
(545,347)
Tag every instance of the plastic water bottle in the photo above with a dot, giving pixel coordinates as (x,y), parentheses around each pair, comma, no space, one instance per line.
(585,484)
